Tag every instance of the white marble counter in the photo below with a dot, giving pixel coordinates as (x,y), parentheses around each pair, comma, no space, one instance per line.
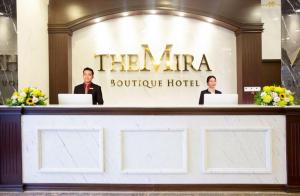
(153,149)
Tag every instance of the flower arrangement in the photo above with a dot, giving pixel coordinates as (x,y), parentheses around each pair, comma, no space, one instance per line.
(274,96)
(27,96)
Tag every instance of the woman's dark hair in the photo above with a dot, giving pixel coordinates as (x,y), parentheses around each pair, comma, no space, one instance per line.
(210,77)
(88,69)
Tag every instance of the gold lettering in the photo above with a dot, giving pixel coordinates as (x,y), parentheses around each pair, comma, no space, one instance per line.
(146,51)
(101,57)
(177,58)
(167,54)
(114,62)
(204,62)
(188,61)
(156,65)
(132,62)
(149,60)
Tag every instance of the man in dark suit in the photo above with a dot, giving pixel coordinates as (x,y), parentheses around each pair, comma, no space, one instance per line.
(211,83)
(89,88)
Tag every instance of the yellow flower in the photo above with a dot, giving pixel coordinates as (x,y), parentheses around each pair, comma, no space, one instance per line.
(29,101)
(36,92)
(278,89)
(282,95)
(267,99)
(291,98)
(25,90)
(266,89)
(272,88)
(282,103)
(16,94)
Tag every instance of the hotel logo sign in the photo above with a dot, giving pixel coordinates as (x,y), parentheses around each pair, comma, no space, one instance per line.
(130,63)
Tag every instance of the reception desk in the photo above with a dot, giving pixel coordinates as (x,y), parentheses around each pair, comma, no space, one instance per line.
(242,147)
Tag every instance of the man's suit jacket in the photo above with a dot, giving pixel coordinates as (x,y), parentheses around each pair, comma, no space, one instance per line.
(201,100)
(95,90)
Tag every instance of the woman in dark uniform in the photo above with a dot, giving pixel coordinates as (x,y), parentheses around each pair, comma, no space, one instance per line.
(211,83)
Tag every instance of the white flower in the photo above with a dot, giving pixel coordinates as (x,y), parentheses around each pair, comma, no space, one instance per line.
(286,99)
(23,94)
(263,94)
(287,92)
(276,99)
(14,97)
(35,99)
(274,94)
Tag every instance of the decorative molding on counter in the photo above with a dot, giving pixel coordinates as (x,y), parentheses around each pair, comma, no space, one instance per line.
(151,160)
(160,111)
(10,110)
(61,145)
(155,187)
(208,168)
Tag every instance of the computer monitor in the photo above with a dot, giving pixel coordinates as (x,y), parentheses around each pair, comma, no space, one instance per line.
(220,99)
(75,99)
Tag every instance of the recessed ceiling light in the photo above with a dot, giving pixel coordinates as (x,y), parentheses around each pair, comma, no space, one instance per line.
(166,2)
(97,20)
(153,11)
(181,14)
(125,14)
(210,20)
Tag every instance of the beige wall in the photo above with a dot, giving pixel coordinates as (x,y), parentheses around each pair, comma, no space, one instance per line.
(126,34)
(32,19)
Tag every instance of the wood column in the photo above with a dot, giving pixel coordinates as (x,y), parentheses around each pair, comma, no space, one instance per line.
(10,149)
(293,152)
(271,72)
(60,64)
(248,63)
